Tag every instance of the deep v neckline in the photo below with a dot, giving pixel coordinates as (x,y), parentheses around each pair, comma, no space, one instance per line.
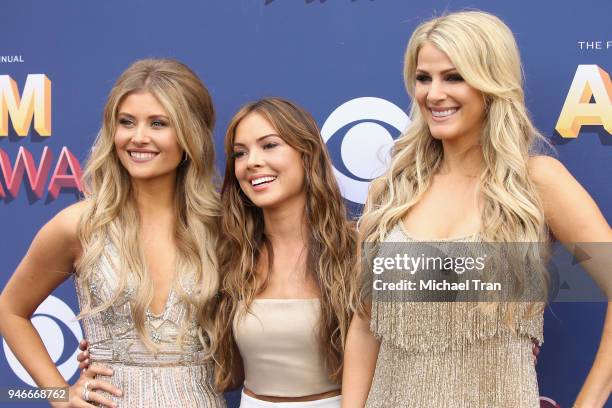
(165,308)
(148,311)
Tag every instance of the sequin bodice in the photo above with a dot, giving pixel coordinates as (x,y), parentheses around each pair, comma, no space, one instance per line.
(450,354)
(175,375)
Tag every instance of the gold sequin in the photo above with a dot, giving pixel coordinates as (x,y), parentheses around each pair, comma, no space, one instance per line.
(175,376)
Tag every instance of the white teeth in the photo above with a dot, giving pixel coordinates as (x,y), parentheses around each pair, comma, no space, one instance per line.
(261,180)
(442,114)
(142,155)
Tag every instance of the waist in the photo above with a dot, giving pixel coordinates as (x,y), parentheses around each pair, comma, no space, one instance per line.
(331,399)
(177,386)
(146,358)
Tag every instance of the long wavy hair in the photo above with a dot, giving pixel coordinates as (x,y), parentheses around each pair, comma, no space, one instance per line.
(331,239)
(484,52)
(111,215)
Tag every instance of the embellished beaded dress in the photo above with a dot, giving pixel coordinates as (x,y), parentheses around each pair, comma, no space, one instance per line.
(174,376)
(450,354)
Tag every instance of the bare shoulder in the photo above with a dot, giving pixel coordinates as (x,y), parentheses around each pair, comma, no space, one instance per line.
(562,195)
(63,225)
(547,170)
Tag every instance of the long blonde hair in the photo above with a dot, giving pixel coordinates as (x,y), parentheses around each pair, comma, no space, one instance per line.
(111,215)
(484,52)
(331,242)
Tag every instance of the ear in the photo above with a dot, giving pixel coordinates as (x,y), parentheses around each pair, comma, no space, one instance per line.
(185,159)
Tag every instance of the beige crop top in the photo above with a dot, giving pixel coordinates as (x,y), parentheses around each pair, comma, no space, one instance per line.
(278,344)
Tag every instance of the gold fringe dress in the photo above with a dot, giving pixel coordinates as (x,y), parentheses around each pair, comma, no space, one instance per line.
(451,354)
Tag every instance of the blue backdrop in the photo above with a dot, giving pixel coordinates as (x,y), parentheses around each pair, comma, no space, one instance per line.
(340,59)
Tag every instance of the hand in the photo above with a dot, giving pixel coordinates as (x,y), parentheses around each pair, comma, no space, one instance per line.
(87,378)
(83,356)
(535,349)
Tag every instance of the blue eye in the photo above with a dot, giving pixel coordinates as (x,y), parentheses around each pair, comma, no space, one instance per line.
(158,124)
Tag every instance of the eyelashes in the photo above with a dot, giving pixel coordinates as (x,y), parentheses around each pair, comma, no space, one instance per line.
(158,124)
(155,124)
(125,122)
(267,146)
(454,77)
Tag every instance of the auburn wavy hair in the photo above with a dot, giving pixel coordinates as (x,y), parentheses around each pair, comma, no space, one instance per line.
(111,216)
(331,239)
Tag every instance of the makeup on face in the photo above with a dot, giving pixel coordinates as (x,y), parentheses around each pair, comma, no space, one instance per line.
(145,140)
(269,171)
(451,107)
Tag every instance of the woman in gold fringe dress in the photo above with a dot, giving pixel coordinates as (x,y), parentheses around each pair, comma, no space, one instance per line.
(465,171)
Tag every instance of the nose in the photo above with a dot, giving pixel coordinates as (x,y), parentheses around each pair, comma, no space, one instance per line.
(436,91)
(254,159)
(141,135)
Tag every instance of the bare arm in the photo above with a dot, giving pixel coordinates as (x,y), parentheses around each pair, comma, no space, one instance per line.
(573,217)
(48,262)
(360,355)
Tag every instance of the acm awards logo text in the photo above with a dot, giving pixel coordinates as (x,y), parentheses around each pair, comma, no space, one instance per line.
(588,102)
(32,104)
(370,125)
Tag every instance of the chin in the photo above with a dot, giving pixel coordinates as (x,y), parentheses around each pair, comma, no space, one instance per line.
(443,135)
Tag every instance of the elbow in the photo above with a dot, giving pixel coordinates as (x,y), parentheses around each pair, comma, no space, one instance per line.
(4,315)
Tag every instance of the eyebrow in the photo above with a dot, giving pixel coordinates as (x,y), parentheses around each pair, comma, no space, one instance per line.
(446,71)
(259,139)
(159,116)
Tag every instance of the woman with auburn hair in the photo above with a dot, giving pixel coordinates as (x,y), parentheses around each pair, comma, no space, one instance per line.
(470,143)
(142,248)
(286,260)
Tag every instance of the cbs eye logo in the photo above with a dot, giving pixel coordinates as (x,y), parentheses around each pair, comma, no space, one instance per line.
(53,319)
(359,135)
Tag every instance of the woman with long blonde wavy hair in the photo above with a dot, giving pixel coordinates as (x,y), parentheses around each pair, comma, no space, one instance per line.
(466,170)
(286,258)
(141,246)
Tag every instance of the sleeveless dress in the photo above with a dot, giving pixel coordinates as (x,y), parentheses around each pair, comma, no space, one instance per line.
(174,376)
(451,354)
